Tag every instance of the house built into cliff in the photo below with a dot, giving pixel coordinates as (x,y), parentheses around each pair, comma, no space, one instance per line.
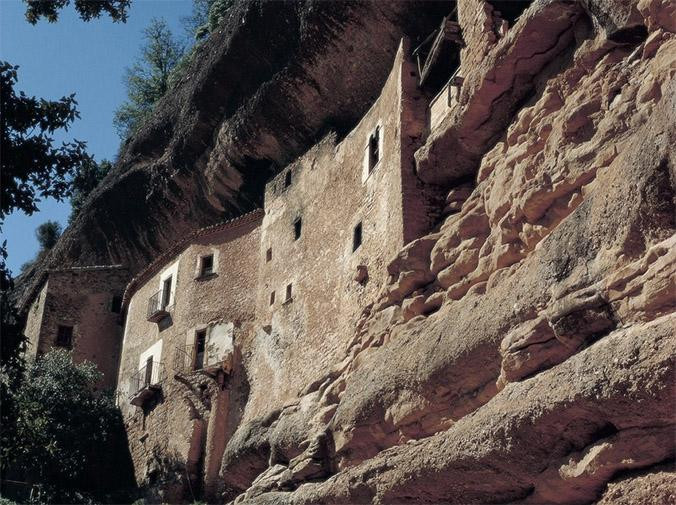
(79,308)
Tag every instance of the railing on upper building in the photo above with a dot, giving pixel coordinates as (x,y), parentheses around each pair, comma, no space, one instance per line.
(192,358)
(442,104)
(185,360)
(157,307)
(146,382)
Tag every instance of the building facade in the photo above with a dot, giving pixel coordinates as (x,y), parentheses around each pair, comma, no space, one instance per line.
(185,314)
(274,294)
(79,308)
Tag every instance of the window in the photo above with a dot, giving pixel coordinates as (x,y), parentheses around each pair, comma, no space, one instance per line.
(148,379)
(116,304)
(289,288)
(287,179)
(268,255)
(166,292)
(297,226)
(272,298)
(200,347)
(207,265)
(356,237)
(64,336)
(374,148)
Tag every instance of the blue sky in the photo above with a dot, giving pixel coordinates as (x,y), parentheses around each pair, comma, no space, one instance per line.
(72,56)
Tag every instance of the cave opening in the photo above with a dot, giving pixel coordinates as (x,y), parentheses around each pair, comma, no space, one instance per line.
(510,10)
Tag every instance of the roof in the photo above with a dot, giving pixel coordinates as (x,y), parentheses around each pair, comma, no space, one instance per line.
(229,225)
(45,274)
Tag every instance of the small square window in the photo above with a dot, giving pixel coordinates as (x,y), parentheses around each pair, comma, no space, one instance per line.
(356,237)
(272,298)
(116,304)
(374,148)
(297,227)
(287,179)
(64,336)
(207,265)
(268,255)
(289,292)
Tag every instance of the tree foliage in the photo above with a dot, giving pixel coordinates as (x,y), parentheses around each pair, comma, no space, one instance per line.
(63,426)
(217,11)
(88,177)
(47,234)
(148,79)
(87,9)
(33,167)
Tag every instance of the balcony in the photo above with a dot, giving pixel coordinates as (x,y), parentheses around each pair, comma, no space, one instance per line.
(157,307)
(189,358)
(145,383)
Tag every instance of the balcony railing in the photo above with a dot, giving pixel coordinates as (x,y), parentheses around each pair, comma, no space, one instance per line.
(145,383)
(188,359)
(157,308)
(442,104)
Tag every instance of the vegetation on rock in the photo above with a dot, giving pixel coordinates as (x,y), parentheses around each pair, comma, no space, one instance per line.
(148,79)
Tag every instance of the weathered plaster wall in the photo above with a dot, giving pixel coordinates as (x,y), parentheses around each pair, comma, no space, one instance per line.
(331,191)
(173,427)
(34,320)
(81,298)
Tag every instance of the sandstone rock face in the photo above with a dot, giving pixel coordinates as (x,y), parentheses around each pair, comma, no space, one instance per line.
(520,352)
(523,352)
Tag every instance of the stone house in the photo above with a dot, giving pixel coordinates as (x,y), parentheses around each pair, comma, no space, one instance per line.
(185,312)
(274,294)
(334,218)
(79,308)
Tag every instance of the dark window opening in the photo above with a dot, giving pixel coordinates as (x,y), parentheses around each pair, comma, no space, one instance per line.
(356,237)
(64,336)
(272,298)
(207,266)
(166,292)
(116,304)
(149,371)
(200,347)
(268,255)
(438,55)
(509,10)
(374,148)
(287,179)
(289,293)
(297,226)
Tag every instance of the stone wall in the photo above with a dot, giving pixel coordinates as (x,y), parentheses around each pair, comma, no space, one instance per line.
(34,320)
(171,430)
(81,298)
(331,190)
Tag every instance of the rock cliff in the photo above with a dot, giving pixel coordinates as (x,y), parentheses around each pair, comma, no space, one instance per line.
(522,352)
(268,84)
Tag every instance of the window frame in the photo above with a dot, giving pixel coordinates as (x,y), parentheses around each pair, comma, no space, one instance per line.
(297,228)
(212,269)
(58,342)
(357,236)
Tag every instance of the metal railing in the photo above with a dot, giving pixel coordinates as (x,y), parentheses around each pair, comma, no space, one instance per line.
(185,359)
(156,306)
(151,375)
